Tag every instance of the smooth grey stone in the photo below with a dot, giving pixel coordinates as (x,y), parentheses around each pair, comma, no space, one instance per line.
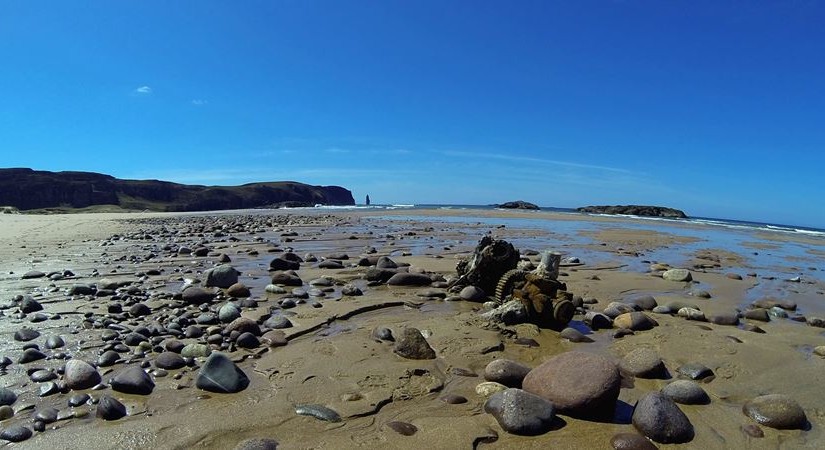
(7,396)
(228,312)
(319,412)
(110,409)
(506,371)
(520,412)
(659,418)
(220,374)
(686,392)
(409,279)
(277,322)
(46,414)
(221,276)
(247,340)
(54,341)
(382,334)
(473,294)
(42,375)
(694,371)
(26,334)
(108,358)
(30,355)
(133,380)
(16,433)
(574,335)
(776,411)
(643,363)
(257,444)
(631,441)
(78,399)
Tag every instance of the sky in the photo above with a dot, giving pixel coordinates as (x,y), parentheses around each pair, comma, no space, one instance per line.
(713,107)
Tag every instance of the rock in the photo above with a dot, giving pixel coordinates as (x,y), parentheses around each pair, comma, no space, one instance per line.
(694,371)
(287,279)
(169,361)
(518,204)
(42,376)
(244,325)
(631,441)
(6,412)
(507,372)
(26,334)
(574,335)
(644,302)
(238,290)
(78,399)
(659,418)
(351,290)
(578,384)
(776,411)
(81,289)
(635,210)
(195,351)
(30,355)
(110,409)
(753,431)
(643,363)
(220,374)
(228,312)
(677,275)
(54,341)
(16,433)
(7,396)
(817,322)
(274,338)
(133,380)
(733,276)
(686,392)
(757,314)
(379,275)
(222,276)
(283,264)
(453,399)
(635,321)
(277,322)
(412,345)
(194,295)
(385,262)
(382,334)
(597,321)
(488,388)
(247,340)
(257,444)
(692,314)
(473,294)
(273,289)
(409,279)
(33,274)
(520,412)
(331,264)
(80,375)
(615,309)
(46,414)
(510,313)
(729,318)
(402,428)
(319,412)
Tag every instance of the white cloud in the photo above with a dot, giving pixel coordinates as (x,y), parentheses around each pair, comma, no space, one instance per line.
(143,90)
(199,102)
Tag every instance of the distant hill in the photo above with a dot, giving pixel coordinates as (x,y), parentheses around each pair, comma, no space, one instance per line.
(635,210)
(28,189)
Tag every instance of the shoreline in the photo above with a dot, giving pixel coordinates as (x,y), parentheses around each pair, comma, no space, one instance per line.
(339,361)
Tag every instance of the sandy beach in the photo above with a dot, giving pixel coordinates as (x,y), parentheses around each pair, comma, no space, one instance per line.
(329,354)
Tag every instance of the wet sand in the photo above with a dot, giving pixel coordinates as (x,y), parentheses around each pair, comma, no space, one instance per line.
(339,365)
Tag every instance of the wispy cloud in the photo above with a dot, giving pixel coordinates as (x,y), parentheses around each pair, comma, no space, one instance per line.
(336,150)
(200,102)
(143,90)
(527,159)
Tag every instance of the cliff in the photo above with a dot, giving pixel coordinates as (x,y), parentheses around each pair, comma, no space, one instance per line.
(635,210)
(28,189)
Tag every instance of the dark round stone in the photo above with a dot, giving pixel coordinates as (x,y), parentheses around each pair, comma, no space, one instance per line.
(16,433)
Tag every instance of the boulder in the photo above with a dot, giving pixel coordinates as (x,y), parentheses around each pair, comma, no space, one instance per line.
(776,411)
(578,384)
(683,275)
(222,276)
(220,374)
(507,372)
(412,345)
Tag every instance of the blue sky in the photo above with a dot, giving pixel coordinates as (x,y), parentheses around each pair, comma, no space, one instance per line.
(714,107)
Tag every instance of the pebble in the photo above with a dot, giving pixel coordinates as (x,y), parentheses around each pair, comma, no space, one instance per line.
(257,444)
(488,388)
(776,411)
(16,433)
(631,441)
(686,392)
(80,375)
(133,380)
(402,428)
(643,363)
(109,408)
(574,335)
(412,345)
(6,412)
(507,372)
(170,361)
(220,374)
(78,400)
(635,321)
(319,412)
(694,371)
(660,419)
(26,334)
(520,412)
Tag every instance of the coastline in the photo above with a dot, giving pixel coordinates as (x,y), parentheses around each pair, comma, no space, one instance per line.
(339,360)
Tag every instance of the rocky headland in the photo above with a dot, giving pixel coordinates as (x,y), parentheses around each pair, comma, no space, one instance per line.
(518,204)
(635,210)
(27,189)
